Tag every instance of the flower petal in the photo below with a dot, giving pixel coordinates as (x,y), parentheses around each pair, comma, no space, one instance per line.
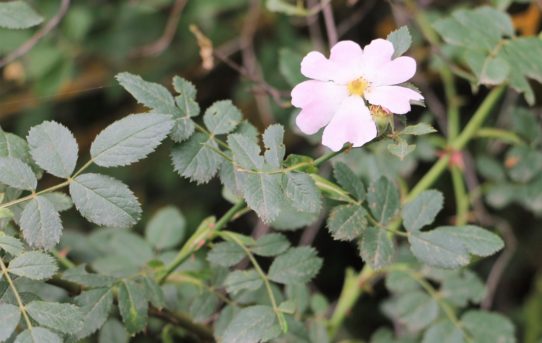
(376,54)
(347,58)
(397,71)
(351,124)
(319,101)
(316,66)
(394,98)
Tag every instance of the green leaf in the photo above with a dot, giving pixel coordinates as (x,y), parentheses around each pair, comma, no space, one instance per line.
(40,223)
(485,327)
(272,244)
(60,201)
(104,200)
(203,306)
(376,248)
(525,163)
(477,241)
(297,265)
(422,210)
(416,310)
(153,292)
(95,306)
(289,62)
(275,149)
(150,94)
(9,318)
(251,325)
(17,174)
(349,181)
(11,245)
(130,139)
(65,318)
(113,332)
(246,152)
(38,335)
(33,265)
(186,102)
(263,194)
(225,254)
(14,146)
(401,148)
(18,15)
(461,287)
(384,200)
(401,41)
(418,129)
(239,280)
(133,306)
(54,148)
(443,331)
(131,247)
(302,192)
(222,117)
(80,276)
(195,158)
(347,222)
(166,229)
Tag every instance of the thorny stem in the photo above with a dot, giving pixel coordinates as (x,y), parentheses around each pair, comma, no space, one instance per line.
(22,308)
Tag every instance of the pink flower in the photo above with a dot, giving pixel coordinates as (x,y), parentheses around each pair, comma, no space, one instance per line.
(341,86)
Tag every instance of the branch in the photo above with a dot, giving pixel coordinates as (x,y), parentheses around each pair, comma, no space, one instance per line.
(29,44)
(183,321)
(329,21)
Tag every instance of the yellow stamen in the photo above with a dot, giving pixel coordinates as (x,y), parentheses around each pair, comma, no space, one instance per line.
(357,87)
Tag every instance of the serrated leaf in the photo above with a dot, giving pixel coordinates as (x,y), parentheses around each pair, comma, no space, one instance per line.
(113,332)
(133,306)
(461,287)
(523,163)
(443,331)
(225,254)
(153,292)
(18,15)
(40,223)
(38,335)
(80,276)
(222,117)
(130,139)
(384,200)
(302,192)
(401,149)
(54,148)
(131,247)
(401,41)
(166,229)
(416,310)
(418,129)
(246,152)
(33,265)
(150,94)
(422,210)
(272,244)
(477,241)
(17,174)
(376,248)
(239,280)
(60,201)
(104,200)
(349,181)
(275,150)
(195,158)
(263,194)
(347,222)
(95,306)
(485,327)
(65,318)
(11,245)
(9,318)
(203,306)
(184,126)
(251,325)
(297,265)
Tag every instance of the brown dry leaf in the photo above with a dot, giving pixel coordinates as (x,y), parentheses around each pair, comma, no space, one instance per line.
(205,48)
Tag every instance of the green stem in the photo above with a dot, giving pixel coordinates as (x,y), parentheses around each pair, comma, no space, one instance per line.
(33,195)
(503,135)
(4,270)
(330,155)
(461,197)
(452,102)
(195,241)
(65,262)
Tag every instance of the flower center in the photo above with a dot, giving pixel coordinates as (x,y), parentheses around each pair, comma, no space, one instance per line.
(358,86)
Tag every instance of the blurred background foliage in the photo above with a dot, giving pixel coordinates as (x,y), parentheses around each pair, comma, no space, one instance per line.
(68,77)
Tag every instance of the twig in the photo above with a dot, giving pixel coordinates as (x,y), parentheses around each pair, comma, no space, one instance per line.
(329,21)
(29,44)
(314,28)
(355,18)
(182,320)
(157,47)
